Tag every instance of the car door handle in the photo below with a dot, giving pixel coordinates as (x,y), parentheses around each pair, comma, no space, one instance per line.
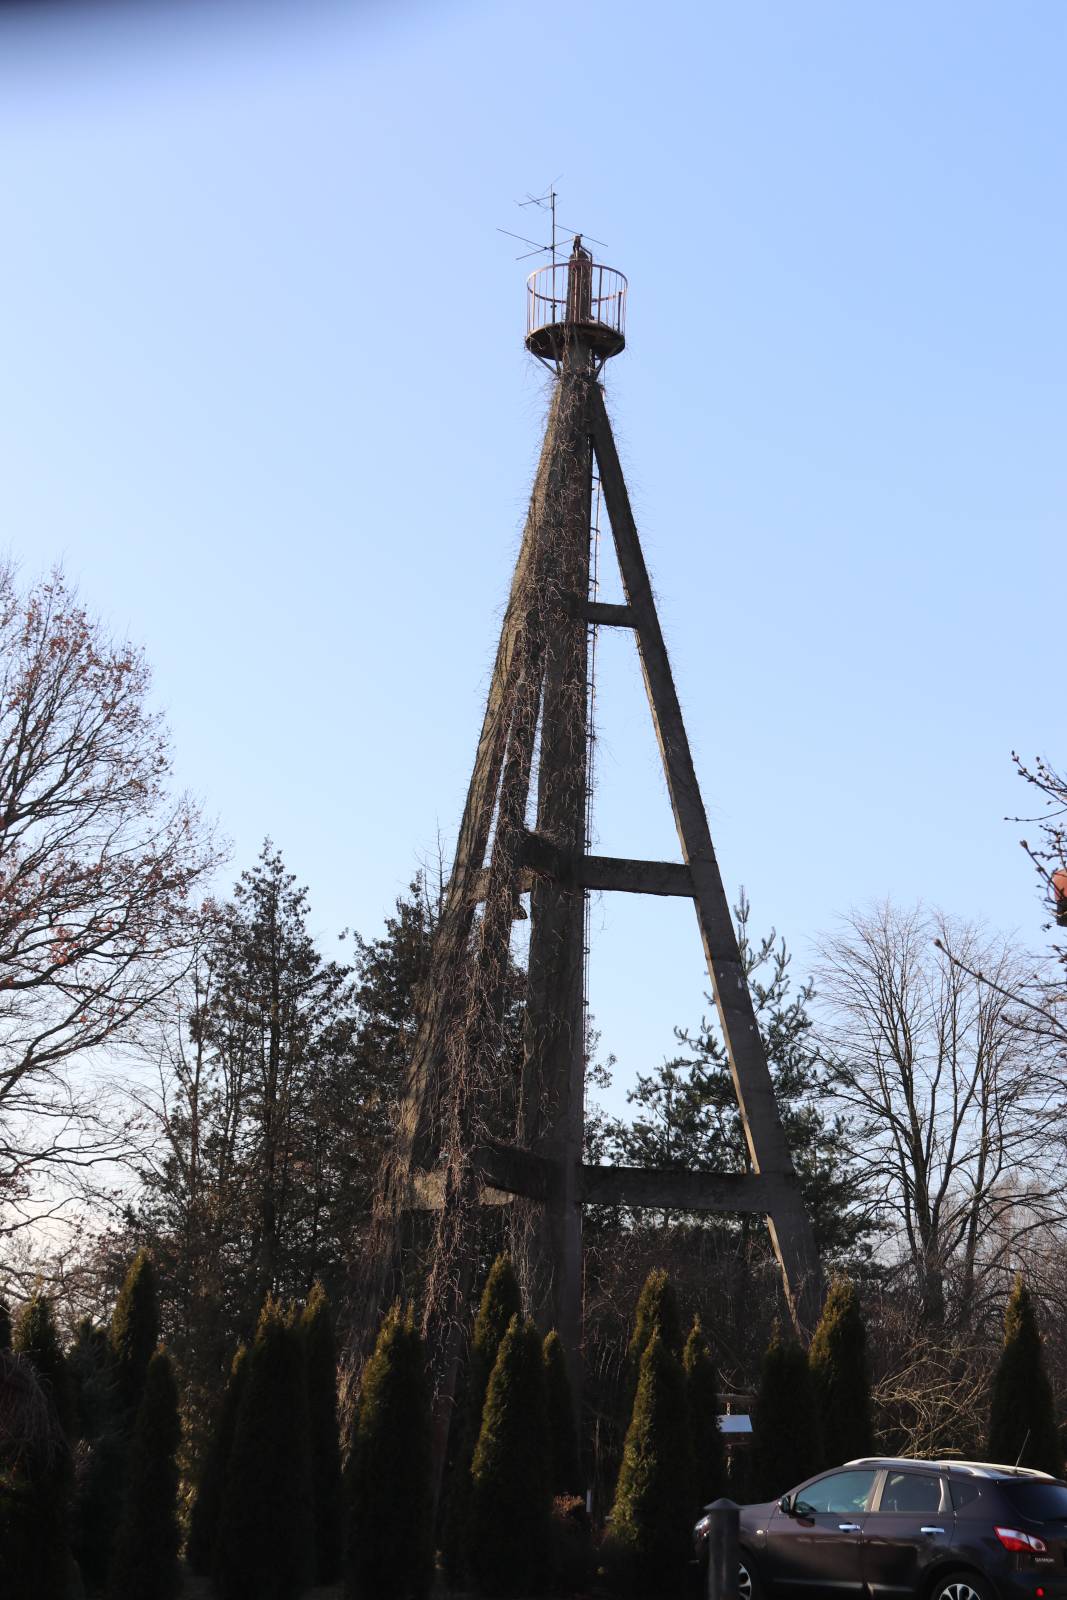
(851,1527)
(931,1530)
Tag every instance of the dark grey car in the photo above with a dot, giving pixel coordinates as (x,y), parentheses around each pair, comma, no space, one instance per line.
(898,1529)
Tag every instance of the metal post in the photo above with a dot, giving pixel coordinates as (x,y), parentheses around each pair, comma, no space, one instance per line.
(723,1557)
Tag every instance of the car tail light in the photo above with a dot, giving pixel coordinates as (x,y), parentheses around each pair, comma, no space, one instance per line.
(1013,1539)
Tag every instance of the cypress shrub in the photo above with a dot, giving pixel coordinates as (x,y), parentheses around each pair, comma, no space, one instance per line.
(207,1507)
(100,1479)
(320,1354)
(389,1490)
(500,1302)
(565,1467)
(838,1361)
(92,1379)
(37,1338)
(786,1442)
(34,1488)
(657,1310)
(5,1326)
(709,1457)
(508,1529)
(100,1466)
(655,1501)
(265,1548)
(1021,1417)
(145,1563)
(134,1332)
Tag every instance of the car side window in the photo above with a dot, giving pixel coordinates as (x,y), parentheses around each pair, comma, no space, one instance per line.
(965,1491)
(842,1493)
(915,1492)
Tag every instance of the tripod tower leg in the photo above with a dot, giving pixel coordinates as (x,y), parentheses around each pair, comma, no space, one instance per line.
(551,1122)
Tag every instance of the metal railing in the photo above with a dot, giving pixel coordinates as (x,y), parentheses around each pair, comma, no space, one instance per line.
(576,291)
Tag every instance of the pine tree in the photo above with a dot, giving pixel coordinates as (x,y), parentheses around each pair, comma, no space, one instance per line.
(838,1361)
(657,1311)
(566,1469)
(655,1500)
(265,1548)
(145,1563)
(134,1332)
(508,1527)
(390,1533)
(709,1457)
(500,1302)
(1022,1425)
(5,1326)
(207,1507)
(786,1442)
(37,1338)
(320,1352)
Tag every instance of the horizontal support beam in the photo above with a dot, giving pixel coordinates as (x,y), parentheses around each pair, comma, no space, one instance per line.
(543,859)
(605,872)
(611,616)
(645,1187)
(427,1190)
(518,1171)
(635,877)
(507,1171)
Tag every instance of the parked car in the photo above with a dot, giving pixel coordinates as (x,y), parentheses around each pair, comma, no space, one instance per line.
(894,1529)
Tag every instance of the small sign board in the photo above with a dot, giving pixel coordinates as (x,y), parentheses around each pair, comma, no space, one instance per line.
(735,1422)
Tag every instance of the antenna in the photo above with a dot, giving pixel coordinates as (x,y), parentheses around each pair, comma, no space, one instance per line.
(1022,1447)
(560,233)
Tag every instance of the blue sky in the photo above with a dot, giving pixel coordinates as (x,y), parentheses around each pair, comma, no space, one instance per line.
(263,391)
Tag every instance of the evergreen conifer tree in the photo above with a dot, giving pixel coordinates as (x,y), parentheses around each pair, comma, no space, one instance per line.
(390,1532)
(265,1548)
(566,1476)
(34,1554)
(1022,1425)
(101,1465)
(320,1351)
(5,1326)
(134,1332)
(34,1489)
(145,1562)
(786,1442)
(508,1528)
(655,1499)
(838,1361)
(500,1302)
(92,1379)
(657,1310)
(709,1457)
(37,1338)
(207,1507)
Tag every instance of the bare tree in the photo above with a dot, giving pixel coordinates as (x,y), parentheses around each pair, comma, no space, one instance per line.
(97,865)
(1049,855)
(954,1102)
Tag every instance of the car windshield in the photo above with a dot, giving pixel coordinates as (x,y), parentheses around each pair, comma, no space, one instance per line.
(1039,1502)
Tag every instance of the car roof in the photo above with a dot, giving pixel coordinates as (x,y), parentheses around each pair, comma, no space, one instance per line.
(970,1469)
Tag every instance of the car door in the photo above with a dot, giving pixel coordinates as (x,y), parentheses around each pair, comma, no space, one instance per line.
(815,1548)
(909,1526)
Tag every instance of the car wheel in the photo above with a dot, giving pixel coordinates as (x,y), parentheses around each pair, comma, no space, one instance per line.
(748,1584)
(961,1586)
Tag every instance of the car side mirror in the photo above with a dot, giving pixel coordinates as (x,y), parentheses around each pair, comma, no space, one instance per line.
(785,1504)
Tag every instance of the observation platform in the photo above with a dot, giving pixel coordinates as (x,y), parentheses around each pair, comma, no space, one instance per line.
(575,301)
